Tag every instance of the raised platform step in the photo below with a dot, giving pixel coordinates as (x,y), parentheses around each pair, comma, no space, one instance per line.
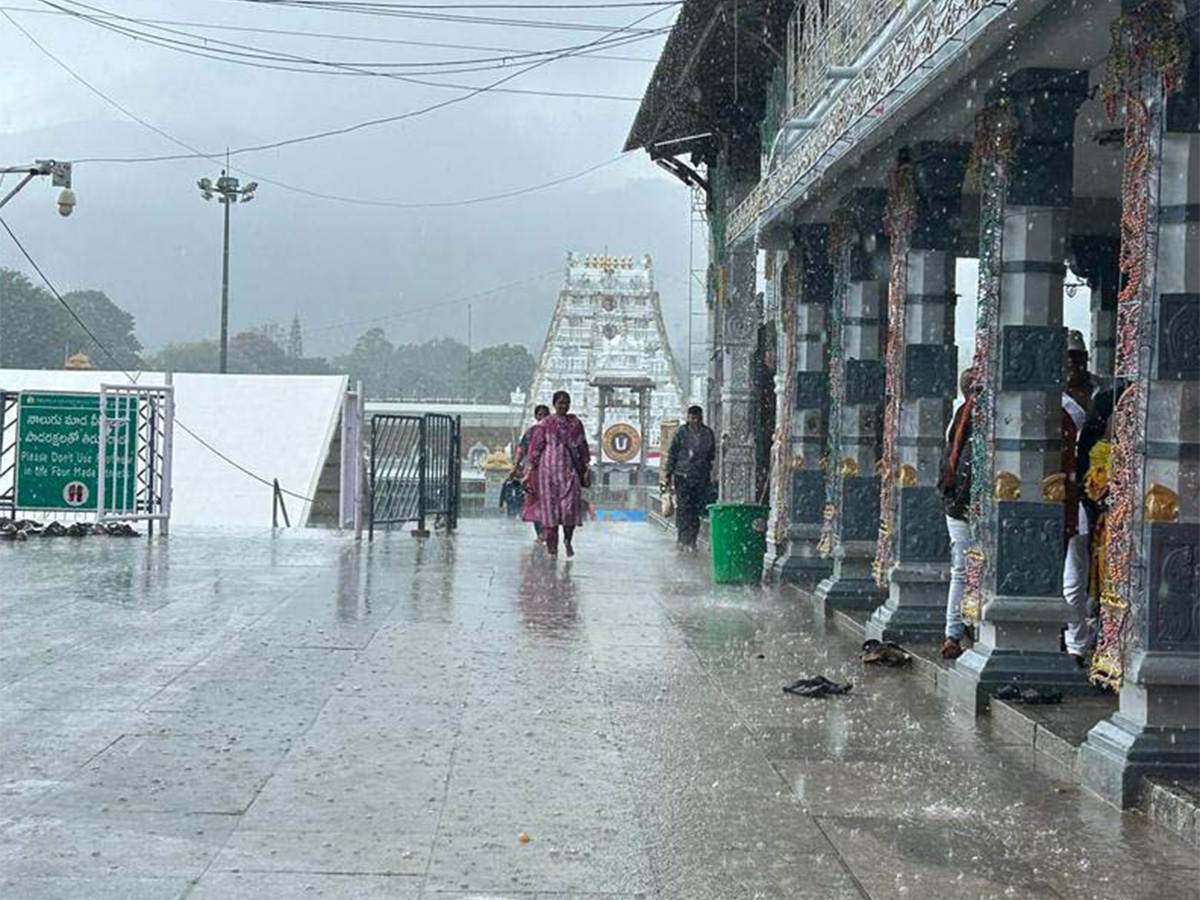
(1055,732)
(1175,805)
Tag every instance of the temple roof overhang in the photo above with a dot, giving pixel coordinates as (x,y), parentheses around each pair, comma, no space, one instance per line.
(711,78)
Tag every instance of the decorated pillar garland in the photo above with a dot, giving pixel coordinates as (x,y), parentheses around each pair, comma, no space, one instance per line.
(898,222)
(785,380)
(1147,63)
(840,225)
(989,171)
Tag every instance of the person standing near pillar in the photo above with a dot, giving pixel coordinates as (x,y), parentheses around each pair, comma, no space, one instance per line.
(954,485)
(1075,402)
(689,475)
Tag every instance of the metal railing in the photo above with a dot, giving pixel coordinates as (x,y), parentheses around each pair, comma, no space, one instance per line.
(414,471)
(905,48)
(135,453)
(825,39)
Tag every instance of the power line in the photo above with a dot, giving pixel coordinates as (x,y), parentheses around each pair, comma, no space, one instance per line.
(91,334)
(337,6)
(448,204)
(427,16)
(234,53)
(358,201)
(455,301)
(336,132)
(509,52)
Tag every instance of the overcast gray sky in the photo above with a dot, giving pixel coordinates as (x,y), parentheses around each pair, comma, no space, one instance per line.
(142,233)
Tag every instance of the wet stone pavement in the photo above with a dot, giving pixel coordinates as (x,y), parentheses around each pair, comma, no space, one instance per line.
(225,717)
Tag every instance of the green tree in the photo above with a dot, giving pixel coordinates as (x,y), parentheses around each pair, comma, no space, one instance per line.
(250,352)
(36,332)
(112,325)
(371,361)
(499,370)
(186,356)
(436,369)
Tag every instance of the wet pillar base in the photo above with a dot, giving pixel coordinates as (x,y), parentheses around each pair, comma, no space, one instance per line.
(915,610)
(799,562)
(1156,733)
(1019,645)
(852,583)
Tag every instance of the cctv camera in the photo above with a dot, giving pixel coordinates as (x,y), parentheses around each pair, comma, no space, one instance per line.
(66,202)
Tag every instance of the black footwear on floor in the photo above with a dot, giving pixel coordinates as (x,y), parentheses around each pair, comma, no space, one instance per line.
(816,687)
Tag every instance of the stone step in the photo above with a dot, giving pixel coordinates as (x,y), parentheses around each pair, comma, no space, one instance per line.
(1055,732)
(1175,805)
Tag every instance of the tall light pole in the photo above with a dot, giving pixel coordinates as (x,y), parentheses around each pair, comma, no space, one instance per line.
(227,193)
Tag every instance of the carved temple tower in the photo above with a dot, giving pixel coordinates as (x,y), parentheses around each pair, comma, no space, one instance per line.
(608,323)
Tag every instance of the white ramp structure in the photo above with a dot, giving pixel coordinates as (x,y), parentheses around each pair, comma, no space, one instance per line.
(274,426)
(607,321)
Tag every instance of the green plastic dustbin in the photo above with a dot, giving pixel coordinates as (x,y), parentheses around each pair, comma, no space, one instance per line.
(737,533)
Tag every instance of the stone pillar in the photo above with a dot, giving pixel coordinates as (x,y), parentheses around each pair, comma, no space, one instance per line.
(802,478)
(1157,728)
(1023,521)
(739,325)
(1094,258)
(715,296)
(928,358)
(859,403)
(779,304)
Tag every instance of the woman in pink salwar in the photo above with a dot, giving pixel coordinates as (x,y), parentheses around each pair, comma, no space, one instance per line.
(556,464)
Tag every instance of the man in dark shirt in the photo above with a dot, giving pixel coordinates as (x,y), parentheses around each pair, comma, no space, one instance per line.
(689,473)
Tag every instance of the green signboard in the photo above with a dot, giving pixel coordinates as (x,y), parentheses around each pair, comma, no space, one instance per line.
(58,437)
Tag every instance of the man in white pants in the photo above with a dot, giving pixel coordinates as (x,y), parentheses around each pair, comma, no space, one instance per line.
(1076,563)
(954,485)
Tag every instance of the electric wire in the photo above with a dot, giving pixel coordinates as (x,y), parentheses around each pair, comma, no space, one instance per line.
(357,201)
(496,21)
(506,52)
(261,58)
(112,356)
(336,6)
(442,304)
(343,130)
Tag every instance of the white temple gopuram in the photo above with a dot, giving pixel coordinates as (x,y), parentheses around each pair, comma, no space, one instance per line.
(608,326)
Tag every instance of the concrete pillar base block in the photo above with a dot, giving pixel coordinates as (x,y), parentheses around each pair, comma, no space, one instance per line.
(799,563)
(840,592)
(915,610)
(983,670)
(1119,753)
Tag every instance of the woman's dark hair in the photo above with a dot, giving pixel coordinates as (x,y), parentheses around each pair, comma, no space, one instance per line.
(1093,430)
(563,394)
(541,408)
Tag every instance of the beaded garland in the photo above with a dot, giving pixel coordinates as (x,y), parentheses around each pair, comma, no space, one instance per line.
(839,251)
(789,296)
(1148,43)
(1147,63)
(898,221)
(988,170)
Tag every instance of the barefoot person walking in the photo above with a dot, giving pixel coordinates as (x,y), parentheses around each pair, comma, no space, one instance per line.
(557,465)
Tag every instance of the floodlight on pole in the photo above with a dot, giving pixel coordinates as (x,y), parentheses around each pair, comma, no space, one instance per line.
(228,191)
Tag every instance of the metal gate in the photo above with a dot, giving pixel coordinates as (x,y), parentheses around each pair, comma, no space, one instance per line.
(137,427)
(414,470)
